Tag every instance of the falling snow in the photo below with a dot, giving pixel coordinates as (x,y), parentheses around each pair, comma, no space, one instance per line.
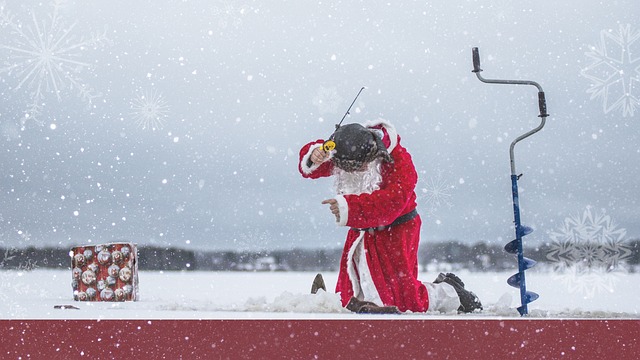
(249,82)
(327,100)
(229,14)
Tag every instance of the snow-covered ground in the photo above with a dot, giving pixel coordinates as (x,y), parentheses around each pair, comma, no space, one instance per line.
(285,295)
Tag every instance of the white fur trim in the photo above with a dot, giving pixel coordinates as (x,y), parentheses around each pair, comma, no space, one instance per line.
(362,284)
(442,297)
(303,162)
(367,285)
(351,268)
(391,130)
(344,210)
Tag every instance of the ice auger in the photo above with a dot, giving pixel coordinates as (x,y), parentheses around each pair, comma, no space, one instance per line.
(515,246)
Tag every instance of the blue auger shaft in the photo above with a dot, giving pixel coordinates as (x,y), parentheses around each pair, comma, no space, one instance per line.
(516,216)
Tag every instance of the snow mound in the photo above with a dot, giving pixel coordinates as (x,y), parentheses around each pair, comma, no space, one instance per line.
(322,302)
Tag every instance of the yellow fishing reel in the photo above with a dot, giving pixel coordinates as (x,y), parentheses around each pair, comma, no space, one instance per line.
(328,145)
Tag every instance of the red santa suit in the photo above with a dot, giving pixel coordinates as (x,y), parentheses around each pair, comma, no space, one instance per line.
(378,265)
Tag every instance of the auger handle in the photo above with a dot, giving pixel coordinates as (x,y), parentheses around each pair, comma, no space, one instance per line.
(476,60)
(542,104)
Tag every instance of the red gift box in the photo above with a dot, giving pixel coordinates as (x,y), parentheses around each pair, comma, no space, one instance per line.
(106,272)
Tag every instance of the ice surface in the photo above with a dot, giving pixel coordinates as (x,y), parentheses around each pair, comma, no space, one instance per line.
(286,295)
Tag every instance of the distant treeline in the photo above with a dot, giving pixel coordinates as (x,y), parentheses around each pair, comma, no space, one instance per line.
(435,256)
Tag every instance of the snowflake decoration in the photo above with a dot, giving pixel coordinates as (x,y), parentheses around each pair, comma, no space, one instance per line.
(8,255)
(13,289)
(246,239)
(502,10)
(229,14)
(589,253)
(615,70)
(149,110)
(43,56)
(436,193)
(10,131)
(11,292)
(23,236)
(327,100)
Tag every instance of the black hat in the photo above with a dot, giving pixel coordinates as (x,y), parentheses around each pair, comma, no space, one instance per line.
(356,146)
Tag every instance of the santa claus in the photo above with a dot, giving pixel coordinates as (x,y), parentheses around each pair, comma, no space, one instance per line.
(375,182)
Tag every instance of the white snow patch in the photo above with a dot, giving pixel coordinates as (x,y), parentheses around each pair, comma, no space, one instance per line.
(277,295)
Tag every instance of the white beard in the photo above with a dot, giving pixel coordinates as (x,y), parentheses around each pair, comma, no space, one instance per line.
(358,182)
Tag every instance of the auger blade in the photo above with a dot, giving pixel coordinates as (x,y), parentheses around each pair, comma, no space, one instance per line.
(530,296)
(514,280)
(528,263)
(524,230)
(512,247)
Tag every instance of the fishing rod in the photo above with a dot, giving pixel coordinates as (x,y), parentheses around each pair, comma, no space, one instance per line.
(330,144)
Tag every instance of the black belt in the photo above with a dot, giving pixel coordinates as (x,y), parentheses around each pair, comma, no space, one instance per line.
(400,220)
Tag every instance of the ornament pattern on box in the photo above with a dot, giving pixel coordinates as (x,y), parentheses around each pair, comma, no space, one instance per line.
(107,272)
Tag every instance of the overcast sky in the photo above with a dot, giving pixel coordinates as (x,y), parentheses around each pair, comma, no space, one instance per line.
(179,122)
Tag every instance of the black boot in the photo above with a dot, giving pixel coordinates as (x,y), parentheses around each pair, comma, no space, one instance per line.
(469,302)
(318,283)
(368,307)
